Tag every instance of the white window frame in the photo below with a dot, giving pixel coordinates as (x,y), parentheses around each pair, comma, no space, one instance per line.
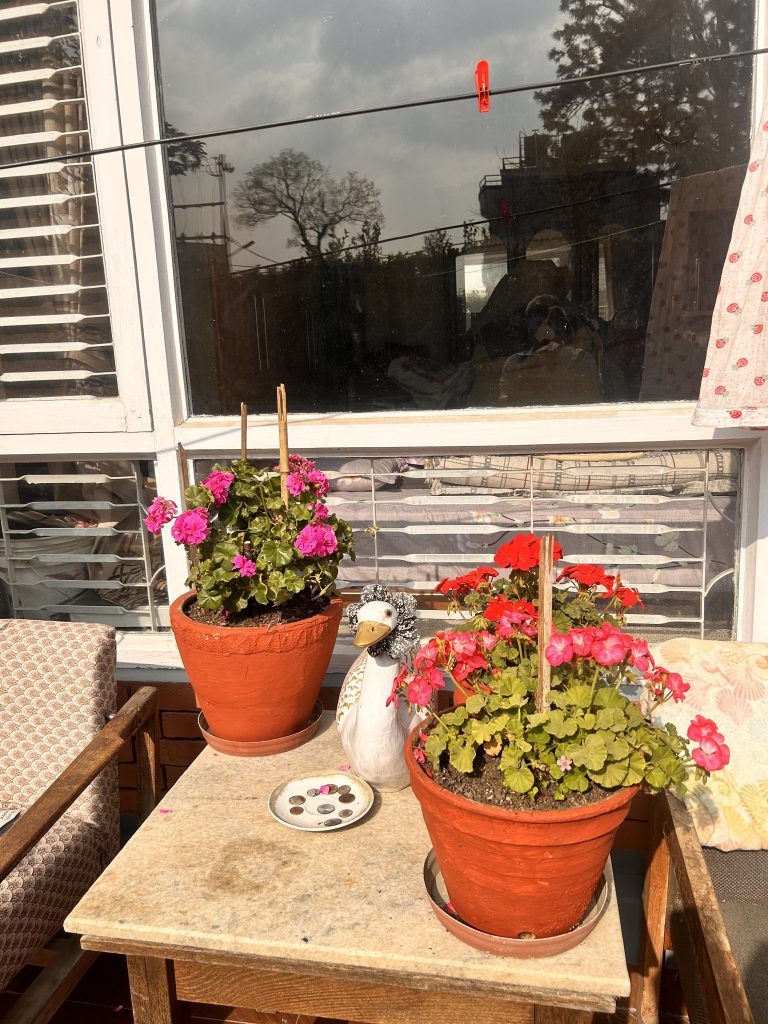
(119,47)
(130,409)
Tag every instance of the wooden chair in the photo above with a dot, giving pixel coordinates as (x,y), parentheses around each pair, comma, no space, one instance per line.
(59,741)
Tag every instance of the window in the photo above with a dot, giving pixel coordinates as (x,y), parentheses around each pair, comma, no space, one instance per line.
(59,318)
(666,521)
(564,248)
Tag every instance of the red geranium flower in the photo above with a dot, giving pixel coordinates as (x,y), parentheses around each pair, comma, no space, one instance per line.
(470,581)
(587,576)
(522,552)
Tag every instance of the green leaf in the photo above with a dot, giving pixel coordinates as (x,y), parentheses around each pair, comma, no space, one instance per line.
(611,718)
(436,743)
(612,775)
(519,780)
(618,748)
(475,703)
(607,697)
(591,753)
(197,497)
(461,754)
(560,726)
(458,716)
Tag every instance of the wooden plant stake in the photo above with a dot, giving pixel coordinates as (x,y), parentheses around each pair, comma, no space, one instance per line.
(243,431)
(546,551)
(282,428)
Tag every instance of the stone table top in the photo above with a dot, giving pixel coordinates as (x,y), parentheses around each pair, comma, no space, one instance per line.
(211,870)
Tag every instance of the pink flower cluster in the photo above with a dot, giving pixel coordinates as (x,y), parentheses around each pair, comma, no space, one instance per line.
(191,527)
(663,683)
(304,476)
(245,566)
(712,752)
(458,654)
(316,540)
(160,512)
(218,483)
(605,644)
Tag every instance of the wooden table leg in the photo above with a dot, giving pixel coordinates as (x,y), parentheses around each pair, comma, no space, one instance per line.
(153,991)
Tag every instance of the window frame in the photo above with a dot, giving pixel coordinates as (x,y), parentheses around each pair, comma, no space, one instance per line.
(119,47)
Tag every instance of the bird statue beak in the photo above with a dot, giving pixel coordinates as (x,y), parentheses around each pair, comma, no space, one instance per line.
(369,633)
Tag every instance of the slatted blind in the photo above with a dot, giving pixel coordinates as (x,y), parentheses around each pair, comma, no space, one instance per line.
(55,334)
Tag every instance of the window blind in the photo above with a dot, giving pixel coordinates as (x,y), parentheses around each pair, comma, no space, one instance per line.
(55,333)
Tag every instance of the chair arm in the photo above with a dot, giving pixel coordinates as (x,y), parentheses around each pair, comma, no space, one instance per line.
(720,977)
(64,790)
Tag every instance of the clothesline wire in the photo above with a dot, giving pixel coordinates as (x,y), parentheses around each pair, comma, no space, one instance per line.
(473,223)
(385,108)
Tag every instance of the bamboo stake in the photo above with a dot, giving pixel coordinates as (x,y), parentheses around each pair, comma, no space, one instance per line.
(545,620)
(181,456)
(282,428)
(243,431)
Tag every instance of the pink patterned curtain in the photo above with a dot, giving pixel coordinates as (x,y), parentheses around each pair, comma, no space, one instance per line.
(734,386)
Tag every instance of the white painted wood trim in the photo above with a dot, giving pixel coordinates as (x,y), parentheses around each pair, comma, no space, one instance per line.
(120,257)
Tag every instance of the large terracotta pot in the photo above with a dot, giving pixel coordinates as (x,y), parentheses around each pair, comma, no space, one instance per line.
(256,683)
(516,873)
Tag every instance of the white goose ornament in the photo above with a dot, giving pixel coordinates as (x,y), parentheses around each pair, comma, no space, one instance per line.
(372,732)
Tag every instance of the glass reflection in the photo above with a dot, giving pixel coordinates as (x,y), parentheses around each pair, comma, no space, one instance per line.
(564,248)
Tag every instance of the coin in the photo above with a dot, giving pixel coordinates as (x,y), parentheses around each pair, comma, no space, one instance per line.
(344,789)
(313,792)
(332,788)
(347,798)
(296,800)
(332,821)
(325,808)
(346,813)
(297,810)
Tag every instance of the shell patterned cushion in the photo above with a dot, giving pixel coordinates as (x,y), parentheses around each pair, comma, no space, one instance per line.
(729,684)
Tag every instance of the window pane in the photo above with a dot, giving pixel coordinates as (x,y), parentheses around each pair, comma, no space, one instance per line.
(668,522)
(564,248)
(54,316)
(73,546)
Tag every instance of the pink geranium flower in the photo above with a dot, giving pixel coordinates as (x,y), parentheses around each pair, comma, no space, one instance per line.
(160,512)
(218,483)
(295,484)
(419,691)
(610,650)
(244,565)
(712,754)
(319,510)
(191,527)
(677,686)
(560,649)
(316,540)
(581,641)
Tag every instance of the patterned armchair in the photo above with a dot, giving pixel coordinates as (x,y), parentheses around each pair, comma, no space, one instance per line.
(57,692)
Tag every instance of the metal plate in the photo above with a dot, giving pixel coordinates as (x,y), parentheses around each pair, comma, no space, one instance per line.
(321,811)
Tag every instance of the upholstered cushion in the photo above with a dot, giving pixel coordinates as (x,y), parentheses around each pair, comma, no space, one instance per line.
(729,684)
(57,687)
(673,472)
(37,895)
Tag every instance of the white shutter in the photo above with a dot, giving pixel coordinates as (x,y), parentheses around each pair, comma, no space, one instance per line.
(58,360)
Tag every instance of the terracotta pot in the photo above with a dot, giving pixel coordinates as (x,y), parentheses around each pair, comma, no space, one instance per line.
(514,873)
(256,683)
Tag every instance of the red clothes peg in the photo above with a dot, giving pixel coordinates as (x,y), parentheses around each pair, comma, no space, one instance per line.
(483,87)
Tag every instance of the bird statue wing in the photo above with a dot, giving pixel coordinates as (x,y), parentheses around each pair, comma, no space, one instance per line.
(349,695)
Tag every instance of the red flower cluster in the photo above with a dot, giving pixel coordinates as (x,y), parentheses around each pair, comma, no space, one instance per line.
(472,580)
(605,644)
(595,576)
(522,553)
(712,752)
(512,616)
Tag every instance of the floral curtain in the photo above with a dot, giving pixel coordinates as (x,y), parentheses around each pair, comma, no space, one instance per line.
(734,387)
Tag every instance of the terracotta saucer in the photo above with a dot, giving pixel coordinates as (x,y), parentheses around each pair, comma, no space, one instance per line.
(501,945)
(262,748)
